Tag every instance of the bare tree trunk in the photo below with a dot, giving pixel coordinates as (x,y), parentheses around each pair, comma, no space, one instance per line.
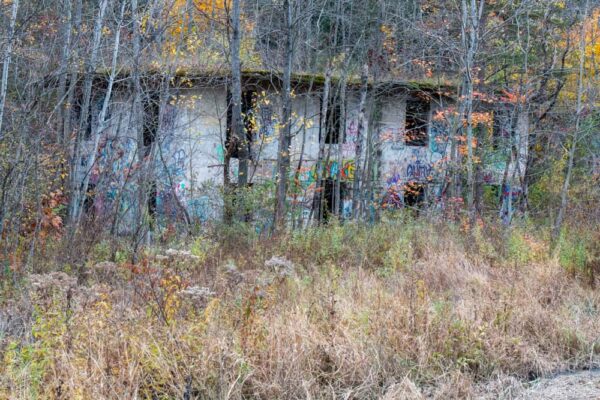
(356,194)
(138,117)
(238,131)
(297,184)
(64,69)
(471,16)
(369,170)
(73,78)
(137,85)
(318,196)
(337,199)
(102,122)
(283,155)
(76,186)
(564,193)
(6,58)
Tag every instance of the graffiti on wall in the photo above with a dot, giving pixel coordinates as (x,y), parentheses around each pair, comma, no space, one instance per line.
(438,141)
(308,175)
(173,173)
(346,208)
(416,167)
(419,171)
(110,178)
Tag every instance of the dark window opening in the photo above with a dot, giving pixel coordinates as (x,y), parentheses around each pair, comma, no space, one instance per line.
(151,105)
(414,194)
(333,122)
(326,198)
(248,106)
(417,116)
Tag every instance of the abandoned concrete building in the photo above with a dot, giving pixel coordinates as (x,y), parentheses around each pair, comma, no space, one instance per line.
(185,134)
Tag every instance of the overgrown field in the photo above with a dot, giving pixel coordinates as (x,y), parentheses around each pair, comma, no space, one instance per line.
(402,309)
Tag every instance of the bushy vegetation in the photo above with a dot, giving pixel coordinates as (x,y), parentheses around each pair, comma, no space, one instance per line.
(402,309)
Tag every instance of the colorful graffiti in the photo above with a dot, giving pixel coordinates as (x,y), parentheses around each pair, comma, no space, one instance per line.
(220,151)
(110,178)
(393,198)
(394,179)
(418,171)
(414,167)
(308,175)
(200,209)
(347,208)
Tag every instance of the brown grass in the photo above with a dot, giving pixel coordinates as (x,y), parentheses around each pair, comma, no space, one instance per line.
(389,312)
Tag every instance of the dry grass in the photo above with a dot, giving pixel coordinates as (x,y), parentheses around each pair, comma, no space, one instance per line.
(399,311)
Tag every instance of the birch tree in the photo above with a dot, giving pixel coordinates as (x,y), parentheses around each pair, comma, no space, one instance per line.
(76,183)
(358,147)
(6,59)
(102,120)
(470,31)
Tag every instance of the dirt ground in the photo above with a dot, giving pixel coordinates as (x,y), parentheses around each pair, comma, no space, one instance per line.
(572,386)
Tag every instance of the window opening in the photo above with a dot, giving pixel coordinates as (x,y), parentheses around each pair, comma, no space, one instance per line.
(333,122)
(417,116)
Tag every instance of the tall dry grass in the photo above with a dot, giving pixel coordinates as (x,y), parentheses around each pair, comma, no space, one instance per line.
(401,310)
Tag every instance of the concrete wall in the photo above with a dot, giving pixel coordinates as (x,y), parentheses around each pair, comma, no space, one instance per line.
(189,154)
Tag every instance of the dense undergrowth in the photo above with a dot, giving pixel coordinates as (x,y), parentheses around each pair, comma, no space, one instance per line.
(402,309)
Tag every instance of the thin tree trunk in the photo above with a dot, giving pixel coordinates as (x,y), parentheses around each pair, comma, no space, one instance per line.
(356,194)
(320,168)
(471,17)
(73,78)
(138,116)
(76,185)
(238,131)
(368,172)
(564,193)
(283,155)
(102,122)
(337,199)
(64,70)
(6,59)
(297,185)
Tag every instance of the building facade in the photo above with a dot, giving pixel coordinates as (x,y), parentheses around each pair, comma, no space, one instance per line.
(166,150)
